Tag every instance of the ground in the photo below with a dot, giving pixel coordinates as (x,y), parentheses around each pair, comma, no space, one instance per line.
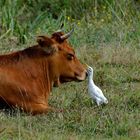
(82,119)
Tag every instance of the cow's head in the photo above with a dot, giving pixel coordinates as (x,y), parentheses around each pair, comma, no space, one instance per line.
(63,63)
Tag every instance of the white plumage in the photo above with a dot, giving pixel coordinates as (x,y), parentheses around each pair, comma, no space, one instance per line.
(94,91)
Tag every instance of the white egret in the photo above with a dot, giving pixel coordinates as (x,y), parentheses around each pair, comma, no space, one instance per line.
(94,91)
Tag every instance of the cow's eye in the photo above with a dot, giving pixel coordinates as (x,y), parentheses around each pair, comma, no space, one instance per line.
(70,56)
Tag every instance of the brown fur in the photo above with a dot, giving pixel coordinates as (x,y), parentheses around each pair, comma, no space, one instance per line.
(27,76)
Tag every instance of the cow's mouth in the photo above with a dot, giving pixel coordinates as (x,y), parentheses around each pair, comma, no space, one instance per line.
(66,79)
(80,79)
(69,79)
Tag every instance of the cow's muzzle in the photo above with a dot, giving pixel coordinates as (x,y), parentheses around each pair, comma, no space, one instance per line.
(81,77)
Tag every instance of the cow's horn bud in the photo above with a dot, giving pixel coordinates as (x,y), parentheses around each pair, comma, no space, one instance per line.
(65,36)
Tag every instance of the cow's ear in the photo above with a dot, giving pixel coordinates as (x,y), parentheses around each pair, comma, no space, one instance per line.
(44,41)
(46,44)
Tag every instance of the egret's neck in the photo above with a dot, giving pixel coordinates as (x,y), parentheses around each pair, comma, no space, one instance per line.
(90,77)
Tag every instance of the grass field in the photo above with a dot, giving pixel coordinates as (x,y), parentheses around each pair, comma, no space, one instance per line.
(109,41)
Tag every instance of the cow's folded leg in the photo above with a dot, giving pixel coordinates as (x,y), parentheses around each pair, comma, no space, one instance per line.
(36,108)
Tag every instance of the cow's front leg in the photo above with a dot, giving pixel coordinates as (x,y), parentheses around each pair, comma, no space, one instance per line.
(57,82)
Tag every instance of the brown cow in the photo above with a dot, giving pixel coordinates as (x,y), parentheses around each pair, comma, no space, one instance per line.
(27,76)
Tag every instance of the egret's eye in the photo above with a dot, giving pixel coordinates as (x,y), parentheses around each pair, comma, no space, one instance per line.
(89,69)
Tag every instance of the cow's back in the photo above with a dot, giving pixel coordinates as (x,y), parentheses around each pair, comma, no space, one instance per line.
(21,78)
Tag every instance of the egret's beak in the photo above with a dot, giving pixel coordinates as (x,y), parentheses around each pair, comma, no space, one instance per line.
(86,66)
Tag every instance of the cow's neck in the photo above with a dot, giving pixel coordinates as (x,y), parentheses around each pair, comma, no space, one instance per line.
(53,73)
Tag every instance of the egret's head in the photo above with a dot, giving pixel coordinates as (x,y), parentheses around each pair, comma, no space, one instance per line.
(89,71)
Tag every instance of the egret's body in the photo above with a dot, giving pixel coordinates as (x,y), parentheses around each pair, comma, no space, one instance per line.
(94,91)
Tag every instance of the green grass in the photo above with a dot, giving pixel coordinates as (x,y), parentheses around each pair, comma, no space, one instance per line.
(107,38)
(82,119)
